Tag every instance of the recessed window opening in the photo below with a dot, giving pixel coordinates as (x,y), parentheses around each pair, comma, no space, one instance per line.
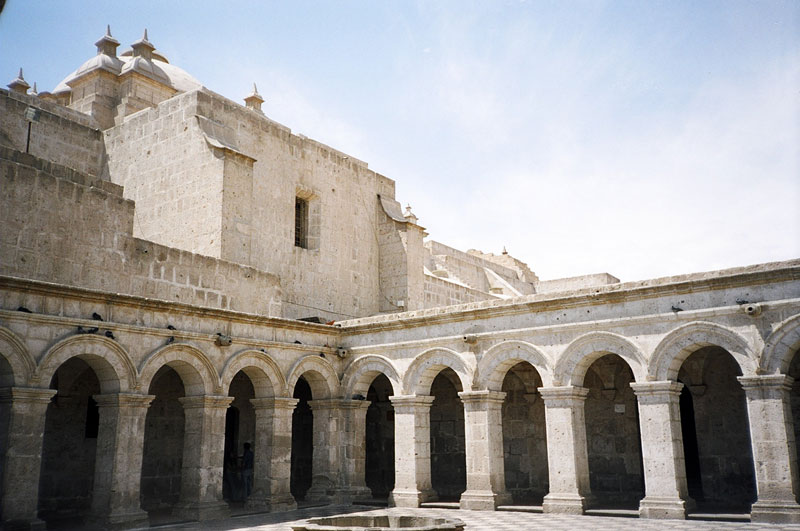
(301,222)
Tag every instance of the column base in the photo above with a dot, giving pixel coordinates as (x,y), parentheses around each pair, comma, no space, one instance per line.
(272,504)
(775,512)
(201,511)
(564,503)
(663,508)
(24,525)
(348,494)
(483,500)
(119,520)
(410,498)
(322,490)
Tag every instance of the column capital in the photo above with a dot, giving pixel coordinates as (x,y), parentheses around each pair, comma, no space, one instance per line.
(410,401)
(654,390)
(26,394)
(206,402)
(487,397)
(274,403)
(563,395)
(325,403)
(123,400)
(776,382)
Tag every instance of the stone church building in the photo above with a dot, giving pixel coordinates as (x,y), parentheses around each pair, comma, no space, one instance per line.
(181,275)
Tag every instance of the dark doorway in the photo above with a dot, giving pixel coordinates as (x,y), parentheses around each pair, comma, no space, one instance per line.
(70,445)
(232,485)
(690,453)
(448,457)
(302,441)
(163,443)
(379,466)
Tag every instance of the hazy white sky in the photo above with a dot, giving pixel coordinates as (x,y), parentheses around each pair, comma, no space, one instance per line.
(641,138)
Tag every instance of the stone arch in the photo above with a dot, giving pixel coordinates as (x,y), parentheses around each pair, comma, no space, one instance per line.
(679,343)
(780,346)
(319,374)
(196,371)
(576,359)
(419,376)
(13,350)
(499,358)
(109,360)
(360,373)
(264,373)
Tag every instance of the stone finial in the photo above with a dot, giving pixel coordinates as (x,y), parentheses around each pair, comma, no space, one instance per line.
(504,250)
(143,48)
(19,84)
(107,44)
(410,215)
(34,92)
(254,100)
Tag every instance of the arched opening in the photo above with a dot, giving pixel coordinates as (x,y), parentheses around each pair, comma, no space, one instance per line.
(613,440)
(302,441)
(448,457)
(727,481)
(524,436)
(162,456)
(794,401)
(691,454)
(379,465)
(70,444)
(6,381)
(240,428)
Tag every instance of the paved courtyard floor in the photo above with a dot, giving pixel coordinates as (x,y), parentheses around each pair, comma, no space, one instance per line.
(474,520)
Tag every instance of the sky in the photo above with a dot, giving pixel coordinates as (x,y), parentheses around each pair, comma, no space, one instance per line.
(644,138)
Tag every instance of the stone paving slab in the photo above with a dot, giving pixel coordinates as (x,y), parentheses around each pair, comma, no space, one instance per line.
(476,521)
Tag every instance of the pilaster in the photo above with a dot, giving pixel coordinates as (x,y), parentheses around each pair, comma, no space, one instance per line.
(567,454)
(774,450)
(666,492)
(203,454)
(483,423)
(24,410)
(272,466)
(412,451)
(118,465)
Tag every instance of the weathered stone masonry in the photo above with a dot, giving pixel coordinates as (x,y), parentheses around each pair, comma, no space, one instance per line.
(132,372)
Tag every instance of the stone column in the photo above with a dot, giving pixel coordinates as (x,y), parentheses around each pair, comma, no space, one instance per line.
(324,461)
(118,465)
(412,451)
(774,450)
(483,425)
(352,451)
(666,492)
(23,410)
(567,455)
(203,455)
(272,466)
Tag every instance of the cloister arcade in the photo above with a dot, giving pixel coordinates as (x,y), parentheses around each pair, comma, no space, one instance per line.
(707,419)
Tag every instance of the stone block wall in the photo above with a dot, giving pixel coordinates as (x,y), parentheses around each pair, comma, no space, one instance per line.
(443,292)
(180,150)
(60,135)
(448,465)
(524,437)
(66,227)
(68,452)
(612,434)
(163,442)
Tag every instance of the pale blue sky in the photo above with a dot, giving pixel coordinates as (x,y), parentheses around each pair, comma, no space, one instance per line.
(639,138)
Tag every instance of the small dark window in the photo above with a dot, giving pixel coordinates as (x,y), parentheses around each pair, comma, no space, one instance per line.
(92,419)
(300,223)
